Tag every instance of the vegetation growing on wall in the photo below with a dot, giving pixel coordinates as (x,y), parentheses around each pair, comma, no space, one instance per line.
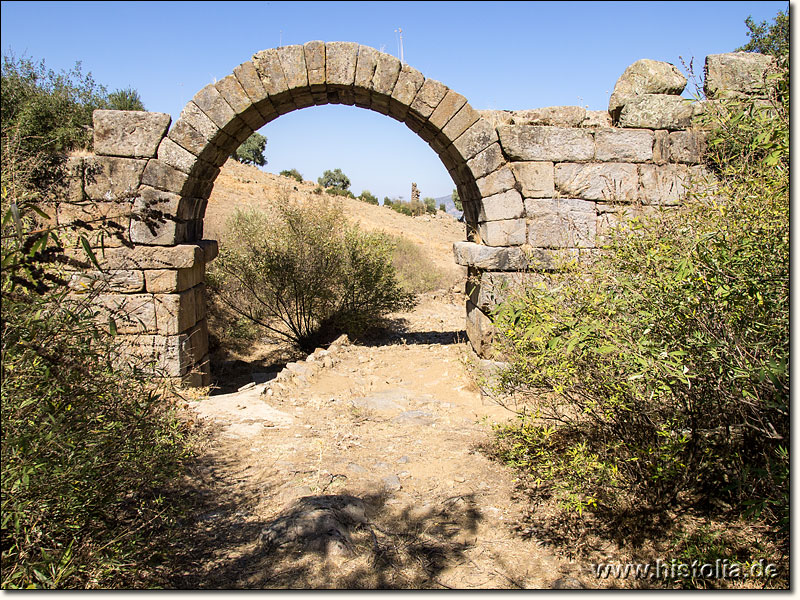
(662,380)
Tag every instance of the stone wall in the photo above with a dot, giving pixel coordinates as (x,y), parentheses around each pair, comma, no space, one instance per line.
(563,176)
(537,185)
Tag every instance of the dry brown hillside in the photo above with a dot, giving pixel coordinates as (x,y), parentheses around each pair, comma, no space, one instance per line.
(246,186)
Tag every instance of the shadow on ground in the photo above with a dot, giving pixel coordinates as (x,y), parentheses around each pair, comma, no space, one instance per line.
(319,541)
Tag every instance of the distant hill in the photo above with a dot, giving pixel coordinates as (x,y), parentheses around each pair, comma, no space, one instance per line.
(449,205)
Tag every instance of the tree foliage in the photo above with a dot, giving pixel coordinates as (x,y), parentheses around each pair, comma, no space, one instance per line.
(126,99)
(768,38)
(251,152)
(457,200)
(334,179)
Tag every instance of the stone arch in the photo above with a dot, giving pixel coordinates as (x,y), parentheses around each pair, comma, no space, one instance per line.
(277,81)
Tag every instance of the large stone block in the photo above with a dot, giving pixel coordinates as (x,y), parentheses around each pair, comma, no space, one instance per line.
(268,65)
(293,63)
(493,288)
(161,176)
(176,156)
(128,133)
(460,122)
(477,138)
(687,146)
(183,256)
(157,230)
(340,63)
(165,281)
(202,123)
(480,330)
(387,71)
(211,102)
(366,64)
(120,280)
(556,116)
(611,182)
(737,73)
(486,161)
(409,81)
(112,179)
(175,313)
(315,64)
(191,140)
(543,143)
(447,109)
(428,98)
(596,119)
(624,145)
(535,178)
(470,254)
(210,249)
(505,205)
(664,184)
(657,111)
(645,76)
(233,93)
(503,233)
(132,313)
(497,182)
(561,223)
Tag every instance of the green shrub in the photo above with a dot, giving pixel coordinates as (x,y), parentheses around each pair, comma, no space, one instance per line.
(293,174)
(368,197)
(90,447)
(333,191)
(307,275)
(664,375)
(127,99)
(430,205)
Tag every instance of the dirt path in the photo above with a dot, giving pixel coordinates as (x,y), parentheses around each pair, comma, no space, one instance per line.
(361,469)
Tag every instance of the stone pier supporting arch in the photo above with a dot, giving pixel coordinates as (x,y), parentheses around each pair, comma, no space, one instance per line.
(534,183)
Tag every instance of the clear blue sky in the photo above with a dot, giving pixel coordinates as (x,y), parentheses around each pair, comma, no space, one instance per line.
(500,55)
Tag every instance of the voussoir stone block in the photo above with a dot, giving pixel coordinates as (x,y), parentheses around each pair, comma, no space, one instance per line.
(657,111)
(176,156)
(486,161)
(268,65)
(624,145)
(544,143)
(447,109)
(497,182)
(736,73)
(366,64)
(340,63)
(211,102)
(428,98)
(293,63)
(128,133)
(112,179)
(505,205)
(535,178)
(645,76)
(477,138)
(470,254)
(161,176)
(510,232)
(610,182)
(210,249)
(460,122)
(315,64)
(561,223)
(409,81)
(387,71)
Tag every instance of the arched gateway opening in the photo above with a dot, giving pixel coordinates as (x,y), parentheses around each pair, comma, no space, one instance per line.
(167,314)
(535,184)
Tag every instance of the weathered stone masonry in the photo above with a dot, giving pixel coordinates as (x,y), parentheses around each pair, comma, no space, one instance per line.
(533,183)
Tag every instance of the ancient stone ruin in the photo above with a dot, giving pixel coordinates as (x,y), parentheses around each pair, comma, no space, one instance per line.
(536,185)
